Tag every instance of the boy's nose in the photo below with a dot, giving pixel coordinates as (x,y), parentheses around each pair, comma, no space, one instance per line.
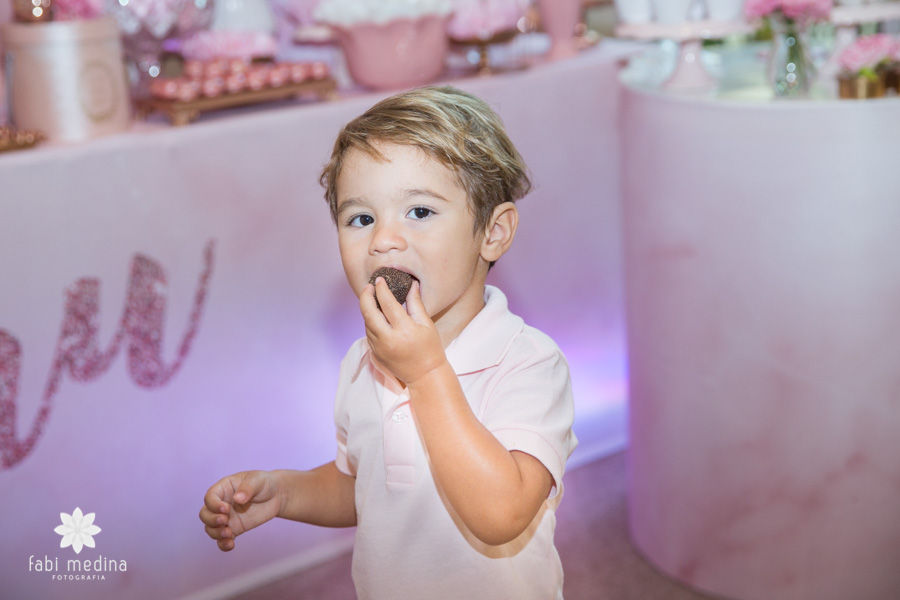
(385,238)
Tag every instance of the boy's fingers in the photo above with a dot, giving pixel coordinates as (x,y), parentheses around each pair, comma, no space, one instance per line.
(392,309)
(247,490)
(415,305)
(212,519)
(367,305)
(216,500)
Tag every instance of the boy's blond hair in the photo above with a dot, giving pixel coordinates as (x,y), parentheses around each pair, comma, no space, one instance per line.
(449,125)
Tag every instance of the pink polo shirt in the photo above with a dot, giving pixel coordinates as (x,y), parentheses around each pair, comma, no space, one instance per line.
(409,542)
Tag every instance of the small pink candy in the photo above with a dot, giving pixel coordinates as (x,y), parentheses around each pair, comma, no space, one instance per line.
(235,82)
(187,89)
(319,70)
(258,76)
(194,69)
(279,75)
(214,68)
(237,65)
(213,87)
(164,87)
(300,72)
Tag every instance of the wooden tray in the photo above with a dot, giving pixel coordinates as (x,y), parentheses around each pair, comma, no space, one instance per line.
(11,139)
(182,112)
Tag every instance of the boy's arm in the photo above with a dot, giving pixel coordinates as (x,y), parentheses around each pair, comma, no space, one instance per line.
(323,496)
(496,492)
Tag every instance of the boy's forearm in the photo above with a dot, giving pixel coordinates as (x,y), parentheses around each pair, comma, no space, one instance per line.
(495,492)
(323,496)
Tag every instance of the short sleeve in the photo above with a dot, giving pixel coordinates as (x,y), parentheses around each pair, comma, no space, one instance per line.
(529,407)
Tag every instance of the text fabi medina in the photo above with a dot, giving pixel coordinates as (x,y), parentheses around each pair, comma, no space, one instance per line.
(77,568)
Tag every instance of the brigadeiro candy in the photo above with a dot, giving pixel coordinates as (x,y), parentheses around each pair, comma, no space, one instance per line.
(235,82)
(319,70)
(279,75)
(164,87)
(300,72)
(194,69)
(187,89)
(213,87)
(257,77)
(398,282)
(238,65)
(215,68)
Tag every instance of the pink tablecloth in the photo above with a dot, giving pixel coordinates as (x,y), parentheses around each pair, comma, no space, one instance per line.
(173,309)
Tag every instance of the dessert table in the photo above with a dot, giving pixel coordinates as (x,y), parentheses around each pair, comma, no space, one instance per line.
(173,309)
(762,284)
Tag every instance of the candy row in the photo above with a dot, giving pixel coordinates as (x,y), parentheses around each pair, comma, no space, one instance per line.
(214,78)
(11,139)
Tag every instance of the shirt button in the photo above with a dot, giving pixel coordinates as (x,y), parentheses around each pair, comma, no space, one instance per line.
(399,416)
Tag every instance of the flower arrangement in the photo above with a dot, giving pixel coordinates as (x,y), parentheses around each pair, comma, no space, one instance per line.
(795,10)
(350,12)
(73,10)
(869,54)
(478,19)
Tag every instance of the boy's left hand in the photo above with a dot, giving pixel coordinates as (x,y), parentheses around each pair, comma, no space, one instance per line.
(406,343)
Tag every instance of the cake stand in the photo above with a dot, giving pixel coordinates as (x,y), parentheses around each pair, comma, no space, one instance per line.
(483,45)
(689,74)
(848,16)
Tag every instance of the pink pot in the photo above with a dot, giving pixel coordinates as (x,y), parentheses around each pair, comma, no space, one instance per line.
(399,54)
(559,19)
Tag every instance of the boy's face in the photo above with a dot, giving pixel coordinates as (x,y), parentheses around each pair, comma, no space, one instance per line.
(409,213)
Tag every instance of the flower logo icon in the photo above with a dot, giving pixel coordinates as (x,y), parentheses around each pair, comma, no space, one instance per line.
(77,530)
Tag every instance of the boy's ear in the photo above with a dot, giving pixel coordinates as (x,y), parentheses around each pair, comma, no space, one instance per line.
(500,231)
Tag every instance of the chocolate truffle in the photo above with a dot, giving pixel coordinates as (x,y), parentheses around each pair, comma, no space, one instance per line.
(398,282)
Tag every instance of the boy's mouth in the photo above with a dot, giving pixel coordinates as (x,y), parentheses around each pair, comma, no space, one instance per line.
(398,282)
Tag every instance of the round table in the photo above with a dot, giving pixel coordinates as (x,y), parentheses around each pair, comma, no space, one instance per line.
(762,267)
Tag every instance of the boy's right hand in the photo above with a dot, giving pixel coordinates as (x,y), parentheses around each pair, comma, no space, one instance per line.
(238,503)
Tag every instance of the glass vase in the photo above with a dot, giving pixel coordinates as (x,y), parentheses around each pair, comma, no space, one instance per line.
(790,69)
(144,25)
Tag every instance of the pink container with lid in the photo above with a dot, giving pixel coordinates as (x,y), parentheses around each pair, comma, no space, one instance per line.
(67,78)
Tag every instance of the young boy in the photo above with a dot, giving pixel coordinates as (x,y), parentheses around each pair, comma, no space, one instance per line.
(453,417)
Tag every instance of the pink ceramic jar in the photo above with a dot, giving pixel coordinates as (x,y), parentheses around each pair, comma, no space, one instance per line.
(399,54)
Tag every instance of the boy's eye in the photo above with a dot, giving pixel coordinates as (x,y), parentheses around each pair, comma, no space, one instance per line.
(361,220)
(420,212)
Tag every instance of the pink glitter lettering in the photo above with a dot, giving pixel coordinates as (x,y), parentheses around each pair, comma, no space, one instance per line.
(77,350)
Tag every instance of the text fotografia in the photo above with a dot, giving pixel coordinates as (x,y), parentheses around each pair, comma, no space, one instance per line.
(76,569)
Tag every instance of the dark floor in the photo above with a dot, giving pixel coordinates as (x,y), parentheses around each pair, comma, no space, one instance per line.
(591,536)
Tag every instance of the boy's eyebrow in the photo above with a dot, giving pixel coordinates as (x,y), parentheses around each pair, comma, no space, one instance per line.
(347,203)
(424,192)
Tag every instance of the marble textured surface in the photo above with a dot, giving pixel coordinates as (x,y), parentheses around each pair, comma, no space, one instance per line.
(762,293)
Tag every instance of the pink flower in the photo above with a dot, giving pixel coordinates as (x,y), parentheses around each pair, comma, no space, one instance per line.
(757,9)
(70,10)
(800,10)
(868,52)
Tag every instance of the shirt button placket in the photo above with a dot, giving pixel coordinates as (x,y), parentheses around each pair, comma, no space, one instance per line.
(400,444)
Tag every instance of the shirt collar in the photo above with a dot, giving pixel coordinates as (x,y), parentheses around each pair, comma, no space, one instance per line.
(484,341)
